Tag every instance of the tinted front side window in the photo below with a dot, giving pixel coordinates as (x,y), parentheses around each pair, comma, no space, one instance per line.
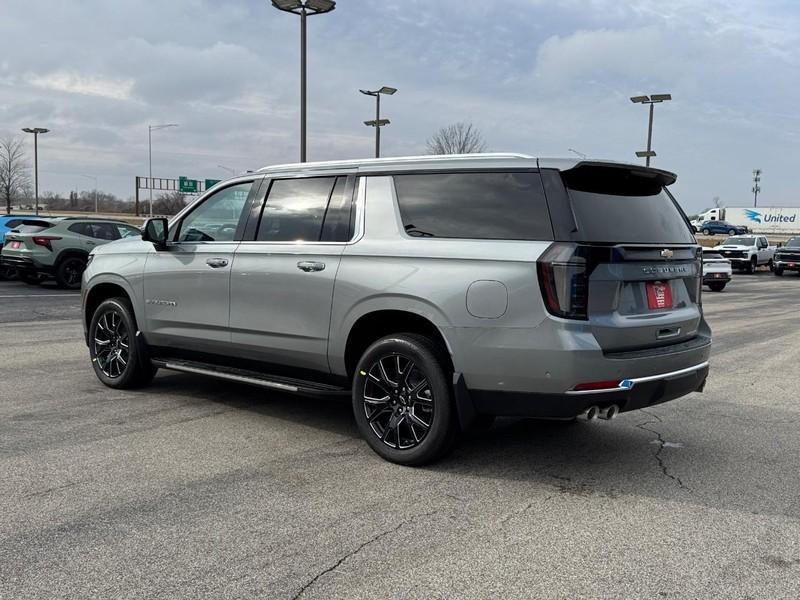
(103,231)
(619,206)
(295,209)
(79,228)
(500,206)
(217,218)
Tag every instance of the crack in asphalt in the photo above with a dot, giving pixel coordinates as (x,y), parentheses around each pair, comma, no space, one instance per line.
(661,444)
(522,511)
(352,553)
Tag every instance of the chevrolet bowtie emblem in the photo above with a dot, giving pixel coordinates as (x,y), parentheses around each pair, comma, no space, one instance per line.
(666,253)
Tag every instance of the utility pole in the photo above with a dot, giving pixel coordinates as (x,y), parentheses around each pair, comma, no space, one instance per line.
(756,186)
(378,122)
(651,100)
(36,131)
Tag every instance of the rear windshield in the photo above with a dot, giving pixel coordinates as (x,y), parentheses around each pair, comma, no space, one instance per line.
(740,240)
(32,226)
(711,255)
(615,205)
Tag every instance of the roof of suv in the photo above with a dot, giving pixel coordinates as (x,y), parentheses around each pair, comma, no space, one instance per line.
(489,160)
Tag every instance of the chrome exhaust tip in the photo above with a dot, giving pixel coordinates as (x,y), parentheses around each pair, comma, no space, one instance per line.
(591,413)
(610,412)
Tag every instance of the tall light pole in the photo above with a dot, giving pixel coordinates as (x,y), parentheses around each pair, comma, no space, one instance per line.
(304,8)
(756,185)
(652,99)
(378,122)
(150,130)
(95,189)
(35,131)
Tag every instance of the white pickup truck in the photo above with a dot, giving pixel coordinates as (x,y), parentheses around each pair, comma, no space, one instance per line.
(747,251)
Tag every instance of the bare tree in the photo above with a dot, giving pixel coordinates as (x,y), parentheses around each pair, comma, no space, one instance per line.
(718,203)
(169,203)
(15,177)
(458,138)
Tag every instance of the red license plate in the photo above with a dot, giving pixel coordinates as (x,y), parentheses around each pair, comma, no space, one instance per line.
(659,295)
(14,245)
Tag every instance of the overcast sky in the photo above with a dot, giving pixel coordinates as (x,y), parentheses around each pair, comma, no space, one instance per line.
(534,76)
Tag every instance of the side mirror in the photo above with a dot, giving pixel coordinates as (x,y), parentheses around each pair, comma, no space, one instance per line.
(155,231)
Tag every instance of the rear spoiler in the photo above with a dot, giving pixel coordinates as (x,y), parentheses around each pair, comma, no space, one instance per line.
(663,178)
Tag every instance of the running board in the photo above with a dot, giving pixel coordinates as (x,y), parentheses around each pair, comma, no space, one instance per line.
(283,384)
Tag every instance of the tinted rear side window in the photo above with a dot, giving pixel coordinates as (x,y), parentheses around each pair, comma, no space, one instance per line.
(616,205)
(494,206)
(295,209)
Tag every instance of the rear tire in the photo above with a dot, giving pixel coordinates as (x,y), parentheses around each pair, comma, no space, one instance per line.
(69,272)
(717,287)
(403,399)
(119,361)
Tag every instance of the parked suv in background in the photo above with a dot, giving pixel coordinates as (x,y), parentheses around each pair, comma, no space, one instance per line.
(787,257)
(7,223)
(59,247)
(435,291)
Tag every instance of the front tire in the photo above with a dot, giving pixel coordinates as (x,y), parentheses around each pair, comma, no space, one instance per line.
(706,232)
(403,399)
(69,272)
(778,271)
(731,232)
(118,360)
(751,266)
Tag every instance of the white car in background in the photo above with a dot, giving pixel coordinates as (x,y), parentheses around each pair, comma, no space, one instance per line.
(717,270)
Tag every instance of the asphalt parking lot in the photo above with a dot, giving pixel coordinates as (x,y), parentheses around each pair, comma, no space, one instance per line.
(197,488)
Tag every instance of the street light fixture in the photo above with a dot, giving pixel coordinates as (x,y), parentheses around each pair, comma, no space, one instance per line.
(378,122)
(95,189)
(651,100)
(304,8)
(35,131)
(150,130)
(230,170)
(581,154)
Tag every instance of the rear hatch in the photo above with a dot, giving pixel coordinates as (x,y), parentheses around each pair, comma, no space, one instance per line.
(628,263)
(714,262)
(23,237)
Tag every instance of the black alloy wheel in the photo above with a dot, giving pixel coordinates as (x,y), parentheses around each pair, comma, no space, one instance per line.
(398,401)
(69,272)
(119,359)
(111,344)
(403,399)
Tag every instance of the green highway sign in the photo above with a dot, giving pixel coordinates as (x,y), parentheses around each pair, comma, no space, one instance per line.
(211,183)
(187,186)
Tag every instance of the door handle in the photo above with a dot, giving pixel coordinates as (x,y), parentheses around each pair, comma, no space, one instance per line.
(216,263)
(90,243)
(309,266)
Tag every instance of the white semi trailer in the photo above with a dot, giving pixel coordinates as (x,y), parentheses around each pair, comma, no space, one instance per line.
(761,219)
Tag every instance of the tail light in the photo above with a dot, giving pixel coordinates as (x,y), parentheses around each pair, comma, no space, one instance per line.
(564,280)
(44,240)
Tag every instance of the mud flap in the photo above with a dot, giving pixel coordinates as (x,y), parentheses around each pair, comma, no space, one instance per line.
(464,406)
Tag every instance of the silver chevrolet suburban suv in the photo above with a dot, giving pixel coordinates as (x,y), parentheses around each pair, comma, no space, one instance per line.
(438,292)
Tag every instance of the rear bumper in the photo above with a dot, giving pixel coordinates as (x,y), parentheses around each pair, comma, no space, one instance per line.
(24,263)
(716,277)
(788,266)
(644,392)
